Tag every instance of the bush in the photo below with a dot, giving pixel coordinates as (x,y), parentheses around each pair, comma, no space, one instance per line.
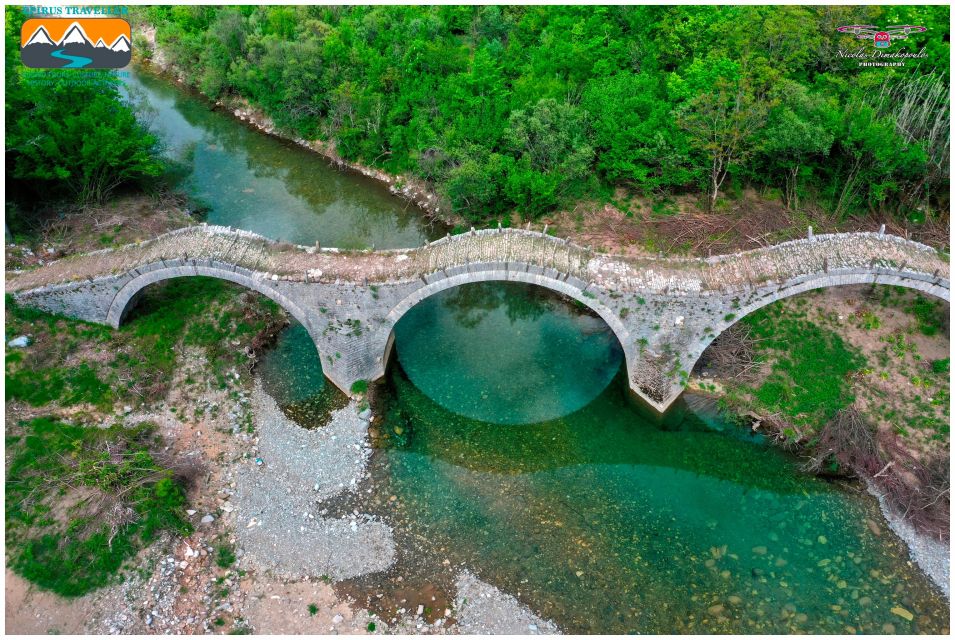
(80,501)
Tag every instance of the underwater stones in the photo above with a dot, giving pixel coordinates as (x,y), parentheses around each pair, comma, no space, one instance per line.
(902,613)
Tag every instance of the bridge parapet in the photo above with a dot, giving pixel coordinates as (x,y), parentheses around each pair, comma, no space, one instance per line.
(671,275)
(664,311)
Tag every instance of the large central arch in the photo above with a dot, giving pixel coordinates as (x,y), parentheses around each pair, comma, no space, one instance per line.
(569,287)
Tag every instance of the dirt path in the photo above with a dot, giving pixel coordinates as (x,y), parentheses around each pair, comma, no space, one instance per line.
(31,611)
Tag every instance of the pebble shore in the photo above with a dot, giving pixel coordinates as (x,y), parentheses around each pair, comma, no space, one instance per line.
(281,522)
(932,556)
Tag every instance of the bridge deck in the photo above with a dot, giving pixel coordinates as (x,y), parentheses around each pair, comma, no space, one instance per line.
(778,263)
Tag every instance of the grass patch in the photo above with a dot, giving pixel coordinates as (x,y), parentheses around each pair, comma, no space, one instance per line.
(225,556)
(359,387)
(810,378)
(80,501)
(929,314)
(134,364)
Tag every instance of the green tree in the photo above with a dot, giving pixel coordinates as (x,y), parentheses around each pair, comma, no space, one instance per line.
(721,118)
(554,102)
(553,151)
(800,126)
(635,134)
(78,140)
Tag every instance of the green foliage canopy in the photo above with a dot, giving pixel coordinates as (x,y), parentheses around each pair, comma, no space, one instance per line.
(526,109)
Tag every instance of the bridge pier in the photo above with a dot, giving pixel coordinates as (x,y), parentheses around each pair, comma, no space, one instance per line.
(664,311)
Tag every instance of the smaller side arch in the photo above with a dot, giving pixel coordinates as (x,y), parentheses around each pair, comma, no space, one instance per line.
(938,289)
(159,272)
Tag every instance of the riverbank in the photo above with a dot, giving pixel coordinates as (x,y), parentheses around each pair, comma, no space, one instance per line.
(899,388)
(931,555)
(412,190)
(679,225)
(123,220)
(257,481)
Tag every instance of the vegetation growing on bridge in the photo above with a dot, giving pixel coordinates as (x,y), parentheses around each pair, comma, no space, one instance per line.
(526,109)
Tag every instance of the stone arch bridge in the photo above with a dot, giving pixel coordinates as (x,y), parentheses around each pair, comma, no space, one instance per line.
(664,311)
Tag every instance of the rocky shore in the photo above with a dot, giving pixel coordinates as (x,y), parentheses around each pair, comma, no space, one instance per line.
(281,520)
(283,491)
(932,556)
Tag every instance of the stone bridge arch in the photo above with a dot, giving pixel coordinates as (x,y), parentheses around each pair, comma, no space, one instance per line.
(515,272)
(758,299)
(125,298)
(663,311)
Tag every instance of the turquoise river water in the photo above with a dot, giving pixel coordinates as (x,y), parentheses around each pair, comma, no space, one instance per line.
(508,443)
(261,183)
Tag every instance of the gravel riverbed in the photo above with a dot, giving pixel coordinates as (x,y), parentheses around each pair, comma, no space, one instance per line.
(281,521)
(484,609)
(932,556)
(282,490)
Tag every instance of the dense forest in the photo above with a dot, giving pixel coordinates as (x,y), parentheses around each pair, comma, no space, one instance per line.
(70,137)
(527,109)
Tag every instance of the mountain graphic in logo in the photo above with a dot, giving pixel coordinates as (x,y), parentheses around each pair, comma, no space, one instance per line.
(61,43)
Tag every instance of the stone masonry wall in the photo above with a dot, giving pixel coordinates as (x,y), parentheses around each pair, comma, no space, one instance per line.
(664,312)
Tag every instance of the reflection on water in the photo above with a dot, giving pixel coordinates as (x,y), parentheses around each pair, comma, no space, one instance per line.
(291,372)
(607,519)
(269,186)
(514,342)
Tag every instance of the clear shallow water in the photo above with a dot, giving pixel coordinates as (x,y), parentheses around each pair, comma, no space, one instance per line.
(603,517)
(273,187)
(291,372)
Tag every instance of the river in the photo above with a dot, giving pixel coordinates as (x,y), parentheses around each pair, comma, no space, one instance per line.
(508,441)
(253,181)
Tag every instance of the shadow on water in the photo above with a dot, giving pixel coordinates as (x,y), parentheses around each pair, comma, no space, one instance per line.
(601,516)
(681,440)
(291,372)
(597,515)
